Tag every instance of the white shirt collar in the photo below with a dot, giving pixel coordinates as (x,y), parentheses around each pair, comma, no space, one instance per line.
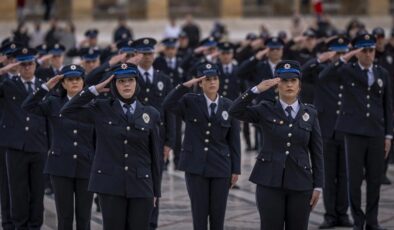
(33,80)
(272,65)
(150,71)
(133,105)
(363,68)
(209,102)
(69,98)
(295,106)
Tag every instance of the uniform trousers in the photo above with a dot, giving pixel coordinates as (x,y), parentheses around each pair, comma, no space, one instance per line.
(125,213)
(26,181)
(6,221)
(282,208)
(335,188)
(365,159)
(70,193)
(208,198)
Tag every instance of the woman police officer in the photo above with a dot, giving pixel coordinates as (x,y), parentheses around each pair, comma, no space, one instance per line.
(210,153)
(289,168)
(72,148)
(125,172)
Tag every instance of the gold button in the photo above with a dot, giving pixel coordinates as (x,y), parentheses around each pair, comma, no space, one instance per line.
(126,155)
(290,125)
(207,132)
(287,152)
(126,168)
(75,156)
(338,111)
(125,142)
(367,114)
(340,95)
(75,143)
(27,128)
(128,128)
(98,171)
(195,120)
(146,99)
(209,124)
(368,105)
(290,134)
(27,118)
(147,90)
(75,131)
(339,103)
(147,176)
(206,141)
(368,97)
(205,149)
(288,144)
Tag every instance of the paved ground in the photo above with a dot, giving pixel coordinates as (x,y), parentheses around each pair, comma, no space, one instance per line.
(241,213)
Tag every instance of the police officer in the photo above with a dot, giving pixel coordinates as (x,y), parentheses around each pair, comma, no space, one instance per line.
(122,31)
(367,101)
(57,59)
(328,101)
(25,137)
(90,41)
(170,64)
(9,70)
(230,84)
(210,153)
(155,85)
(287,188)
(71,151)
(126,167)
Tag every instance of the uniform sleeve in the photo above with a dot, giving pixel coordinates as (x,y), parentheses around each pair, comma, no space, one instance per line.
(37,103)
(247,67)
(175,100)
(96,75)
(80,107)
(155,155)
(241,110)
(330,69)
(234,141)
(169,124)
(316,154)
(388,106)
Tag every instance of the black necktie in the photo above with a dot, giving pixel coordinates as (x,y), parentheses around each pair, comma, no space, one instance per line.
(147,79)
(212,107)
(365,73)
(128,112)
(226,70)
(289,109)
(30,87)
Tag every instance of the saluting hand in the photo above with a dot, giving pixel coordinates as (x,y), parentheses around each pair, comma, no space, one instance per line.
(116,59)
(7,68)
(350,54)
(53,81)
(326,56)
(193,81)
(44,58)
(135,59)
(262,53)
(2,58)
(101,86)
(267,84)
(314,199)
(200,49)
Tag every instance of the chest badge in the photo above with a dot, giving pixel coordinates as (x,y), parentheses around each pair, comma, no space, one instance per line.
(160,85)
(225,115)
(305,117)
(380,83)
(389,60)
(146,118)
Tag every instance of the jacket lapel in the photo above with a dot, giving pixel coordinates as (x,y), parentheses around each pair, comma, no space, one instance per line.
(203,105)
(118,110)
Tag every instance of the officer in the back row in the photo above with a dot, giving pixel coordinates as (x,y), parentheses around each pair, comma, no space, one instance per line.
(366,120)
(155,86)
(328,99)
(25,137)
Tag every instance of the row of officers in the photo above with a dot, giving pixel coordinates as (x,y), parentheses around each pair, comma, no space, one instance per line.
(110,130)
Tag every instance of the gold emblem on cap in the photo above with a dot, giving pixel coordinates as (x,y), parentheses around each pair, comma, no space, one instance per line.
(73,67)
(146,41)
(287,66)
(124,35)
(208,66)
(44,46)
(24,51)
(130,42)
(123,66)
(340,41)
(274,40)
(56,46)
(366,37)
(91,51)
(13,46)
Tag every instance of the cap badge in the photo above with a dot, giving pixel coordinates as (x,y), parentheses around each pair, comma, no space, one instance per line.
(225,115)
(367,37)
(13,46)
(305,117)
(24,51)
(123,66)
(380,83)
(73,67)
(146,41)
(340,41)
(160,85)
(287,66)
(208,66)
(146,118)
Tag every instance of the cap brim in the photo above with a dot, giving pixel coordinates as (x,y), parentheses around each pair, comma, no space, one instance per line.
(123,76)
(72,74)
(339,49)
(26,59)
(275,46)
(288,75)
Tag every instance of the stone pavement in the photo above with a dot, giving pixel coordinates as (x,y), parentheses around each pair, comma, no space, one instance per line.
(241,213)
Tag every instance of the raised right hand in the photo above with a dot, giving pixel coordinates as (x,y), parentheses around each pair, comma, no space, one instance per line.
(193,81)
(53,81)
(267,84)
(262,53)
(116,59)
(7,68)
(350,54)
(101,86)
